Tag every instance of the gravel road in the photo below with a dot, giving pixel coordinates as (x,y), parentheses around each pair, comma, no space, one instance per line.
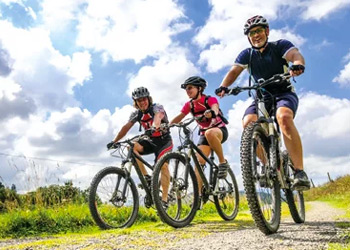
(316,233)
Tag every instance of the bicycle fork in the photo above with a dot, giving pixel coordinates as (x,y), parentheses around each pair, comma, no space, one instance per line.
(275,141)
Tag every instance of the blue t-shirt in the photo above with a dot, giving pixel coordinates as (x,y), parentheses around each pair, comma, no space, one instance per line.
(268,63)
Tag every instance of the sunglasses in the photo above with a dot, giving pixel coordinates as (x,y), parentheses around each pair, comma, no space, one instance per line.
(257,31)
(142,99)
(189,88)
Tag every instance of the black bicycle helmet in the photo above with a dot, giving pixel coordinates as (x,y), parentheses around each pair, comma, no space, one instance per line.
(140,92)
(255,21)
(195,81)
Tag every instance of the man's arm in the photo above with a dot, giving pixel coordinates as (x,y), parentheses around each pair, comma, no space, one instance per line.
(295,57)
(123,131)
(230,77)
(157,119)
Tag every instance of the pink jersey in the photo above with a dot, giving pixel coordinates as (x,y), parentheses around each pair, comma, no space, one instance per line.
(199,108)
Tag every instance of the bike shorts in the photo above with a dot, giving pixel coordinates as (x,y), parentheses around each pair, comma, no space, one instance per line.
(157,145)
(289,100)
(203,141)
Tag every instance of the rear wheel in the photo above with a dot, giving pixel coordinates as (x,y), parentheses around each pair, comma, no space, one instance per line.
(227,199)
(261,185)
(178,187)
(110,207)
(295,198)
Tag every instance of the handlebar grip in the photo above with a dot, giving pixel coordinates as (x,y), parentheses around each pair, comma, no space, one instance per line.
(234,91)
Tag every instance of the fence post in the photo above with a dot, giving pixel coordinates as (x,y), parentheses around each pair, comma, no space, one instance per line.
(312,183)
(329,177)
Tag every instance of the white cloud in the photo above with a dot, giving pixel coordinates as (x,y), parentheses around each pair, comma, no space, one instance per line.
(8,2)
(8,89)
(57,15)
(43,73)
(321,45)
(79,69)
(317,167)
(163,80)
(320,9)
(324,125)
(343,78)
(130,29)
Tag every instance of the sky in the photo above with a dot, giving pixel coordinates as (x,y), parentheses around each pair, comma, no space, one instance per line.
(67,70)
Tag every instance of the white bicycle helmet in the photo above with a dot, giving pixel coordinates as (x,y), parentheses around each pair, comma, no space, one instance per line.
(255,21)
(140,92)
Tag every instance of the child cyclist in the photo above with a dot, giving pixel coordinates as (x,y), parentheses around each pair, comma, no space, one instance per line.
(213,131)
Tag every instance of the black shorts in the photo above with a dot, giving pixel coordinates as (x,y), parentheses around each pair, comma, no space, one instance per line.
(289,100)
(203,141)
(158,145)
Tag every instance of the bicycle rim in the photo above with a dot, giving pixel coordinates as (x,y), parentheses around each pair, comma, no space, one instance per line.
(181,192)
(262,190)
(108,207)
(227,200)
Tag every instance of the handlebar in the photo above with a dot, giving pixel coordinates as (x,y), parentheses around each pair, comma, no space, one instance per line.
(129,141)
(260,84)
(182,124)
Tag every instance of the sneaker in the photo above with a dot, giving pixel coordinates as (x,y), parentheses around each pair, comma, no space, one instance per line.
(301,181)
(201,203)
(222,172)
(165,205)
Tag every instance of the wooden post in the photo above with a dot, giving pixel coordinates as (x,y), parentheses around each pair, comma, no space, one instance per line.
(329,177)
(312,183)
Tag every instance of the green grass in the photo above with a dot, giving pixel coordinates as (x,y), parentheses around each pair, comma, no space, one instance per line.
(73,225)
(75,218)
(336,193)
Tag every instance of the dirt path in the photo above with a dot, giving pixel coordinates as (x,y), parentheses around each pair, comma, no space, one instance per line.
(316,233)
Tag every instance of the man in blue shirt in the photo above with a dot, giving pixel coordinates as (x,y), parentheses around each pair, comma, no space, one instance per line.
(264,60)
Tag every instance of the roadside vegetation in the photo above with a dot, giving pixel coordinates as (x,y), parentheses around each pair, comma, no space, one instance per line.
(337,193)
(64,209)
(57,210)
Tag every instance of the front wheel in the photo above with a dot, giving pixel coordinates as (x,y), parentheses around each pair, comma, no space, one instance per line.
(113,199)
(227,198)
(295,198)
(175,190)
(260,182)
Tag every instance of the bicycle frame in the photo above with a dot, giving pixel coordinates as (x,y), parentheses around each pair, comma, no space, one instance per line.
(131,158)
(268,122)
(191,153)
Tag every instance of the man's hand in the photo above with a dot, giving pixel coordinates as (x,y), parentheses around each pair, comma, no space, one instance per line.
(221,91)
(110,145)
(296,69)
(149,132)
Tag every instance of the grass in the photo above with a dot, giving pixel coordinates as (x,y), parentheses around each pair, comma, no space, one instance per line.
(336,193)
(72,224)
(74,218)
(64,229)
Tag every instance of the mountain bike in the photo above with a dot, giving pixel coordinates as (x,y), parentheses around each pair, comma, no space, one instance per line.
(183,196)
(265,167)
(113,197)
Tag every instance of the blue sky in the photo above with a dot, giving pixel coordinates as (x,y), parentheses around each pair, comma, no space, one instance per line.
(67,69)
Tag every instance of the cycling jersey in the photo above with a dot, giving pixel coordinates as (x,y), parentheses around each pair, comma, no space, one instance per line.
(160,142)
(146,118)
(267,63)
(199,108)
